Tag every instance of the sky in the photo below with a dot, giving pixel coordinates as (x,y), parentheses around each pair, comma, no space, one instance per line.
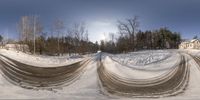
(101,16)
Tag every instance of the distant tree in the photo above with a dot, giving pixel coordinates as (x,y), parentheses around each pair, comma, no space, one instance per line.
(24,29)
(1,39)
(80,34)
(51,45)
(112,37)
(195,37)
(102,45)
(29,28)
(41,41)
(128,28)
(97,45)
(37,31)
(161,38)
(58,27)
(122,44)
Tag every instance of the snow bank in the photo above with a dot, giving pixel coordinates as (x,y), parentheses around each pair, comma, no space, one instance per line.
(143,57)
(39,60)
(148,60)
(193,52)
(127,72)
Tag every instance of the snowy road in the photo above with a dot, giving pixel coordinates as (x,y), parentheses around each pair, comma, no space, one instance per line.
(197,60)
(169,83)
(99,77)
(34,76)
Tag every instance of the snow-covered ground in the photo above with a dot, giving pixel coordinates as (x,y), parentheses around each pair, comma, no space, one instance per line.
(85,88)
(149,59)
(193,52)
(142,58)
(42,61)
(193,90)
(156,63)
(129,73)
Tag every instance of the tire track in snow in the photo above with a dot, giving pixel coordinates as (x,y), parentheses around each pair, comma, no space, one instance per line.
(196,59)
(171,84)
(29,76)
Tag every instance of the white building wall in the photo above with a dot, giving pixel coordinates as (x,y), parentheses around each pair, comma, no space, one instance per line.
(193,44)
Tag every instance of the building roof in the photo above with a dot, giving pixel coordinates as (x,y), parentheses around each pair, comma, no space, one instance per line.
(193,40)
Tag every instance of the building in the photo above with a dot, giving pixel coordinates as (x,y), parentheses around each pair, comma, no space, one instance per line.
(183,45)
(193,44)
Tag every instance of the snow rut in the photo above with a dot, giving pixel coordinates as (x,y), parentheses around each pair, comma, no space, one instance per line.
(171,83)
(29,76)
(111,83)
(197,60)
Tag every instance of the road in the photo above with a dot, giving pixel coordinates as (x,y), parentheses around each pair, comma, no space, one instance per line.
(29,76)
(170,84)
(110,84)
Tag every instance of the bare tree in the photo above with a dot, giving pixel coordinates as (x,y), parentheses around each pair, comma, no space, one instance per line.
(79,31)
(1,40)
(80,34)
(37,29)
(58,27)
(29,28)
(128,28)
(112,37)
(86,38)
(24,30)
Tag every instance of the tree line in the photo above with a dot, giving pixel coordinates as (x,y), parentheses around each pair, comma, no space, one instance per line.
(132,39)
(74,41)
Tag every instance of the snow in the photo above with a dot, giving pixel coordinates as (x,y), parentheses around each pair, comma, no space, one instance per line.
(148,60)
(87,86)
(39,60)
(132,74)
(142,58)
(193,90)
(193,52)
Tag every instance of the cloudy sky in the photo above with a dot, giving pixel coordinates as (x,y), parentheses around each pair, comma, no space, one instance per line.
(100,16)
